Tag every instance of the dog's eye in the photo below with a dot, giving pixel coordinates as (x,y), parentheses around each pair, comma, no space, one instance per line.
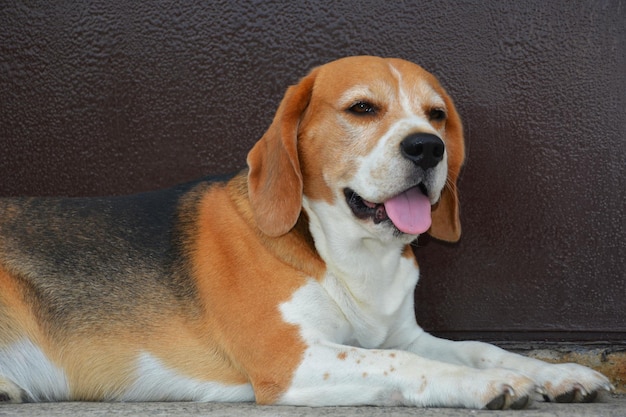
(362,107)
(437,115)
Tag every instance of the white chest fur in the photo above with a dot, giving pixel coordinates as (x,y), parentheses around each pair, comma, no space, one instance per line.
(368,287)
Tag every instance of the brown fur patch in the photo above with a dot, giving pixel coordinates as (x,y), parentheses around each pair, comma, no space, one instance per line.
(242,279)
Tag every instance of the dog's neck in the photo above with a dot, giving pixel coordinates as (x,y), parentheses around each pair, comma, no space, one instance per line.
(346,246)
(372,280)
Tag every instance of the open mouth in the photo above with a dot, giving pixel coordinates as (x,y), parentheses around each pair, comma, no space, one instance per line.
(409,211)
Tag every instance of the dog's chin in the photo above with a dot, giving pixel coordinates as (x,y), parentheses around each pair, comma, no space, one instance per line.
(376,215)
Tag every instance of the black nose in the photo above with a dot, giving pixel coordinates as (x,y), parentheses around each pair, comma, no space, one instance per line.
(424,149)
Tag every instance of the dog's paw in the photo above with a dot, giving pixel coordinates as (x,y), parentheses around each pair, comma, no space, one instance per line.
(9,392)
(508,390)
(509,399)
(569,382)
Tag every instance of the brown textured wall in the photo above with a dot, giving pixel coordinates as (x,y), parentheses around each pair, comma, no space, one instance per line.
(123,96)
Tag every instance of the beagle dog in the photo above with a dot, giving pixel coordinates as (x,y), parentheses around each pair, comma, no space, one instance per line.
(290,282)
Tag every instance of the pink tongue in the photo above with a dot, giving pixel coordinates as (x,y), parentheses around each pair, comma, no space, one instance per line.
(410,211)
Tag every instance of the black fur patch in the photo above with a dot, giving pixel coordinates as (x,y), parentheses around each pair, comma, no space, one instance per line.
(80,257)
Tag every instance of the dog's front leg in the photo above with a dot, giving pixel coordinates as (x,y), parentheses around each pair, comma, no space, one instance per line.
(562,383)
(332,374)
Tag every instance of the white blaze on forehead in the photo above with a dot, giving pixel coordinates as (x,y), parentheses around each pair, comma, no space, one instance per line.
(413,97)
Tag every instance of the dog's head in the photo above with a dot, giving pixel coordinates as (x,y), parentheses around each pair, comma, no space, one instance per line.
(377,139)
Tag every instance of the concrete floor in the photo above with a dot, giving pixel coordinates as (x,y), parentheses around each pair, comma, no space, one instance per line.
(609,406)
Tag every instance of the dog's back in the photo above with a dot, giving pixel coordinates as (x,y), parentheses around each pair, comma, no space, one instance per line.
(107,270)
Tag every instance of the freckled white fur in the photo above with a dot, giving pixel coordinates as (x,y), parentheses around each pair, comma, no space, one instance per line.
(365,347)
(338,369)
(25,365)
(155,382)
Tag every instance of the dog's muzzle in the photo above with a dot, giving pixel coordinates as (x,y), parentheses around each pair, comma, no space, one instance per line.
(409,211)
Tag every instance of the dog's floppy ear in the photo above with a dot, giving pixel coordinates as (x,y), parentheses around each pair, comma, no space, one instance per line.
(274,177)
(446,224)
